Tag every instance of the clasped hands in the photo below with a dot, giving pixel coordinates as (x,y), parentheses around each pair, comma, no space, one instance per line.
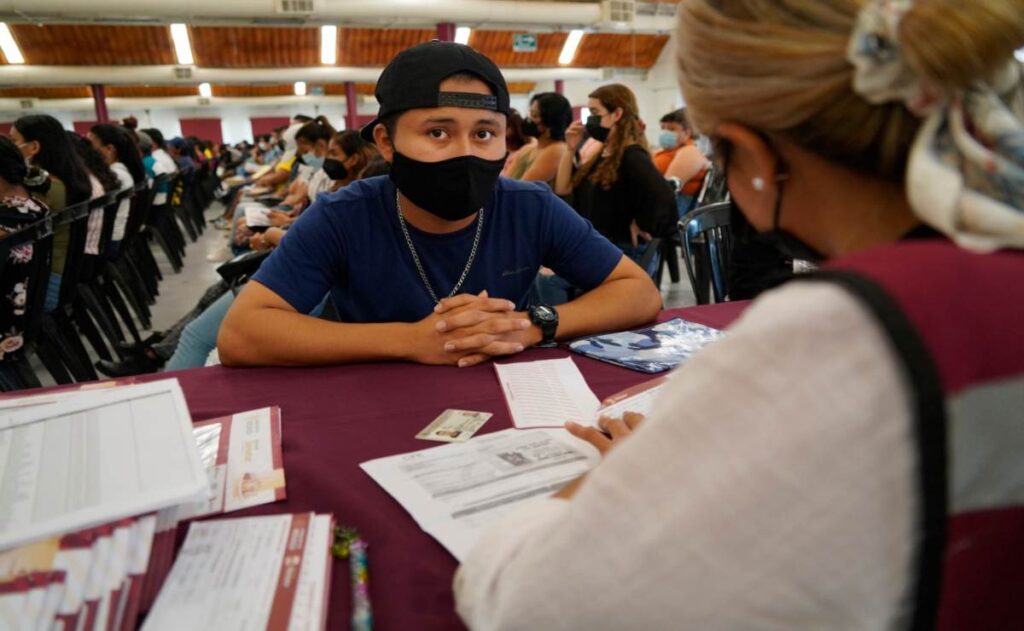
(467,329)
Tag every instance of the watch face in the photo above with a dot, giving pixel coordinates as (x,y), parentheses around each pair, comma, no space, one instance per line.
(544,314)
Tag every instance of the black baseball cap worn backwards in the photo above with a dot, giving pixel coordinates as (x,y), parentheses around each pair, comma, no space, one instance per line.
(412,79)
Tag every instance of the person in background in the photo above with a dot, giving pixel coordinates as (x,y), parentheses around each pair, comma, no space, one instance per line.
(849,455)
(19,184)
(348,159)
(162,164)
(180,152)
(680,159)
(102,181)
(550,116)
(518,143)
(44,144)
(619,190)
(119,150)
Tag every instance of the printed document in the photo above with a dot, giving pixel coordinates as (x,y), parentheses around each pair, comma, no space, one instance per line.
(455,490)
(101,456)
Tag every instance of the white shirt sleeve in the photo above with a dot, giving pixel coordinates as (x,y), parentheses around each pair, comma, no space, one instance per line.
(772,488)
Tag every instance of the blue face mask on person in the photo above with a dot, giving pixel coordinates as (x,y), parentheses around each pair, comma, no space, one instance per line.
(668,140)
(309,159)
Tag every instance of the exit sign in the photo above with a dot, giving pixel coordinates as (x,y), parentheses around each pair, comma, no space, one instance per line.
(524,43)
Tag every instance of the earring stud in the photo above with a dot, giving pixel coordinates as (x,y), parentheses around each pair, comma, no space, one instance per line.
(757,183)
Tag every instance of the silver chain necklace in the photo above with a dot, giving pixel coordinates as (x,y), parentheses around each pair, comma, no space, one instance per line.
(416,257)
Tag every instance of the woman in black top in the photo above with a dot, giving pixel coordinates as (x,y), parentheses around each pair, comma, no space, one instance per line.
(619,190)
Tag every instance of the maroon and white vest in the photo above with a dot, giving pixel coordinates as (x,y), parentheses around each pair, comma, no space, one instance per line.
(956,320)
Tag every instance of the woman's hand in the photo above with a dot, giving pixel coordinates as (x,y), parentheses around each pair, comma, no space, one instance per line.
(574,136)
(615,430)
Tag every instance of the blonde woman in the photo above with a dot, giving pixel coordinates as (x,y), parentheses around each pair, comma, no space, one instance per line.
(851,454)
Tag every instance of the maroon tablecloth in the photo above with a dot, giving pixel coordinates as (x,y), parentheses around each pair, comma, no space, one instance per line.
(335,418)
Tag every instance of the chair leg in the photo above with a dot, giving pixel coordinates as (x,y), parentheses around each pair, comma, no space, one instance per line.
(62,331)
(118,283)
(669,254)
(50,356)
(101,313)
(171,254)
(114,299)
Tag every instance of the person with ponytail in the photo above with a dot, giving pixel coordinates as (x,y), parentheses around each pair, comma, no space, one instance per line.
(619,189)
(119,150)
(44,144)
(850,454)
(19,184)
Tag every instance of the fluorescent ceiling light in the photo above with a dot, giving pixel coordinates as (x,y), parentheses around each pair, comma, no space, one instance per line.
(329,45)
(462,35)
(300,88)
(571,44)
(9,46)
(205,90)
(182,47)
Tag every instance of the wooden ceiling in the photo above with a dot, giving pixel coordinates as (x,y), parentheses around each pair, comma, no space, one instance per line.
(260,47)
(151,91)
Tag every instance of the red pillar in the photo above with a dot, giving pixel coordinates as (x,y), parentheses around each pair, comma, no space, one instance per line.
(559,86)
(446,32)
(351,101)
(99,98)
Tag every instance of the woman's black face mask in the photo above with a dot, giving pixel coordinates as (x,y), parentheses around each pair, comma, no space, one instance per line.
(785,242)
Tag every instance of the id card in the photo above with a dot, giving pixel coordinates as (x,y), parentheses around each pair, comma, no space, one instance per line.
(454,426)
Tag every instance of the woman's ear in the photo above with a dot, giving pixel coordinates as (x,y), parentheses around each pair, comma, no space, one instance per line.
(752,173)
(617,115)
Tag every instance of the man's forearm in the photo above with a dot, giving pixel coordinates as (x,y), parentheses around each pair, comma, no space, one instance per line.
(277,337)
(614,306)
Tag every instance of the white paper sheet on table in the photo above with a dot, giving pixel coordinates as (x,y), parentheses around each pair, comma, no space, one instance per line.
(546,393)
(639,399)
(455,490)
(248,573)
(95,458)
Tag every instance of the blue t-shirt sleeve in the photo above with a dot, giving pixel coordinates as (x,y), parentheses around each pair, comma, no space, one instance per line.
(309,261)
(573,249)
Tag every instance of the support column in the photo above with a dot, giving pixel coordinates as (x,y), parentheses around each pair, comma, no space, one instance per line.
(446,32)
(559,86)
(351,103)
(99,98)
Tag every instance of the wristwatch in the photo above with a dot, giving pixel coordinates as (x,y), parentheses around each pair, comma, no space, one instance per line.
(546,318)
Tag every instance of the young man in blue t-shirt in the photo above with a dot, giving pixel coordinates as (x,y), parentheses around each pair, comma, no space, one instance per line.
(433,263)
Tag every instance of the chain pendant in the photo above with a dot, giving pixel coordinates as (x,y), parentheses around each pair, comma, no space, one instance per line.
(416,256)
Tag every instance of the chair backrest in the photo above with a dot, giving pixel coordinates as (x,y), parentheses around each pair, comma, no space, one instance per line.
(714,188)
(110,204)
(76,218)
(707,240)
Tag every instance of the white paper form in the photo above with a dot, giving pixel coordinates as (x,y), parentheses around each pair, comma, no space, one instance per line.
(455,490)
(546,393)
(96,458)
(238,574)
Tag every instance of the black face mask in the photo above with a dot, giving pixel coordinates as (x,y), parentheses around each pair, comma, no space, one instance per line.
(451,189)
(335,169)
(531,129)
(595,130)
(783,241)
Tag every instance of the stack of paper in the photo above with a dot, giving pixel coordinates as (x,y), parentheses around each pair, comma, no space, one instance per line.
(93,485)
(456,490)
(249,573)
